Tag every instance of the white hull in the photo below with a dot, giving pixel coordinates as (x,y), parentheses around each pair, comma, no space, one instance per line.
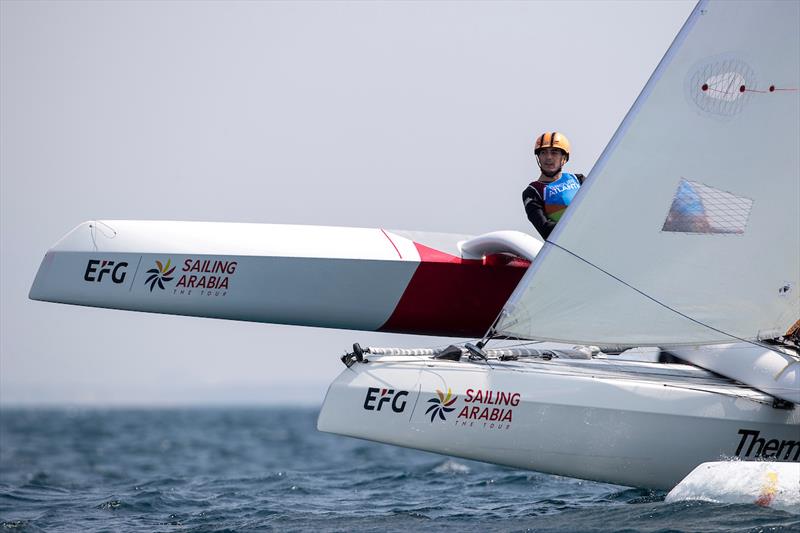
(352,278)
(631,423)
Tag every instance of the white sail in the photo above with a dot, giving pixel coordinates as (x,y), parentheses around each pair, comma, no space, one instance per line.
(687,230)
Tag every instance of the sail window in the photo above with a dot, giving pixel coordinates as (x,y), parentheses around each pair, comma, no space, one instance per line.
(720,86)
(699,208)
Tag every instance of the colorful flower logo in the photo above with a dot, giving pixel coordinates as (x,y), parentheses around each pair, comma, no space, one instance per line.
(441,405)
(159,275)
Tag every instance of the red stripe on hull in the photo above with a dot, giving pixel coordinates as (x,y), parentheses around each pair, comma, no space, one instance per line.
(453,297)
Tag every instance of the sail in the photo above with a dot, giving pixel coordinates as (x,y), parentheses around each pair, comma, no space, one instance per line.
(687,230)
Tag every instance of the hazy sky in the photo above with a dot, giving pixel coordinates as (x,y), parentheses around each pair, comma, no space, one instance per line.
(402,115)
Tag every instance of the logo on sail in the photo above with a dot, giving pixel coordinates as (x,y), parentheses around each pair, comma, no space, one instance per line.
(160,274)
(441,404)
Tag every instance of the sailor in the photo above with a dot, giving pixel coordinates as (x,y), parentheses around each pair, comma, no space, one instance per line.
(547,198)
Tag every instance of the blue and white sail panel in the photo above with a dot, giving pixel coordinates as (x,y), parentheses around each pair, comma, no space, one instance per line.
(687,229)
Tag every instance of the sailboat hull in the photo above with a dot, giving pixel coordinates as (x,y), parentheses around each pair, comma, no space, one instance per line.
(367,279)
(631,423)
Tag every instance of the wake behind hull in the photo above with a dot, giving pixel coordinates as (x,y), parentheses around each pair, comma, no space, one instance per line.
(637,424)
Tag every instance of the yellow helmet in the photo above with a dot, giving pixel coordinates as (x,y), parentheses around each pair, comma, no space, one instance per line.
(552,140)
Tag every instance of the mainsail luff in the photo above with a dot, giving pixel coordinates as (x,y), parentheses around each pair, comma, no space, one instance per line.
(713,119)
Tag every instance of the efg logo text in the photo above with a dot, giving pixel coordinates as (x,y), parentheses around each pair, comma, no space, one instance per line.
(377,398)
(96,269)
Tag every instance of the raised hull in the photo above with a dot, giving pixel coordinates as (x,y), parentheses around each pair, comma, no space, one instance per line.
(352,278)
(630,423)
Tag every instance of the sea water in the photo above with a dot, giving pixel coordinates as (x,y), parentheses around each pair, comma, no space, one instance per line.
(237,469)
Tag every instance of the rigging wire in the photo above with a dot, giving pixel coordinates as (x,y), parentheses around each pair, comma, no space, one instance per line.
(698,322)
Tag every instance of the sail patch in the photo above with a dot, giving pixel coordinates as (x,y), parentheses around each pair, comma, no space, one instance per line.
(720,86)
(699,208)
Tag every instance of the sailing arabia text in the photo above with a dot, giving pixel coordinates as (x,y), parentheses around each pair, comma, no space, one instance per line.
(491,407)
(206,274)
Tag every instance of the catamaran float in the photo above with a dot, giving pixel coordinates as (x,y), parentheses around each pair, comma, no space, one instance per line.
(681,240)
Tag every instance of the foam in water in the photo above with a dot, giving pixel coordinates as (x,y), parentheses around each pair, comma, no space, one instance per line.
(764,483)
(451,467)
